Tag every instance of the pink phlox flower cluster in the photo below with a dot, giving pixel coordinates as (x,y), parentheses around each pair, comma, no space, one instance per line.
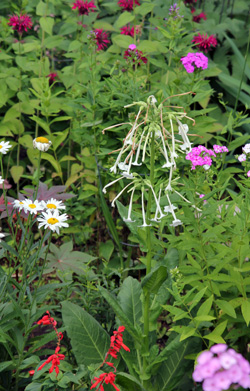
(200,156)
(220,368)
(248,173)
(242,158)
(219,149)
(246,148)
(197,59)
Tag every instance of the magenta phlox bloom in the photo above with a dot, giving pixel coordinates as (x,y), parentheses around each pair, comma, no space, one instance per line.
(219,148)
(200,156)
(221,368)
(194,59)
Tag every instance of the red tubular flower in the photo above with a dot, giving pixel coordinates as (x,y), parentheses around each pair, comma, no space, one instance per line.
(101,39)
(116,343)
(197,18)
(52,76)
(107,378)
(47,319)
(127,5)
(204,42)
(32,372)
(55,360)
(84,7)
(20,23)
(126,30)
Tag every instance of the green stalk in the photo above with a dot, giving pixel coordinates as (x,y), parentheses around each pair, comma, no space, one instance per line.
(149,260)
(38,174)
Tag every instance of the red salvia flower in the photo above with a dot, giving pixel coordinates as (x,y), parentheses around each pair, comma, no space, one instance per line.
(47,319)
(52,76)
(127,5)
(126,30)
(107,378)
(55,360)
(84,7)
(32,372)
(204,42)
(116,343)
(197,18)
(101,39)
(20,23)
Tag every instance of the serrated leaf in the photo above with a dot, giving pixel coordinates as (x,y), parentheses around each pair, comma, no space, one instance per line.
(89,340)
(153,280)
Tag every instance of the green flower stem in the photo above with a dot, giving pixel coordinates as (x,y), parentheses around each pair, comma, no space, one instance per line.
(148,259)
(38,173)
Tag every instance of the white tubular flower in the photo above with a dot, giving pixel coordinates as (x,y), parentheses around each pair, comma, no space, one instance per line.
(168,209)
(172,210)
(143,212)
(129,141)
(2,236)
(41,143)
(135,163)
(114,167)
(1,180)
(18,205)
(53,204)
(4,147)
(169,187)
(119,194)
(173,153)
(128,219)
(145,146)
(158,207)
(127,174)
(176,222)
(53,220)
(183,129)
(153,100)
(165,154)
(32,206)
(109,184)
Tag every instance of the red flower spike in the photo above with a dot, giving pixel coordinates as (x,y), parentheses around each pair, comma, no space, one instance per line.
(52,76)
(20,23)
(203,42)
(107,378)
(84,7)
(55,359)
(47,319)
(127,5)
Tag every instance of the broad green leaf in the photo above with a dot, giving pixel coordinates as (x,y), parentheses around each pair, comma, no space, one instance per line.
(152,46)
(123,41)
(239,57)
(245,309)
(106,249)
(187,332)
(128,382)
(26,141)
(120,313)
(153,280)
(197,298)
(53,162)
(129,299)
(101,24)
(204,318)
(125,18)
(89,340)
(226,307)
(215,336)
(16,172)
(145,8)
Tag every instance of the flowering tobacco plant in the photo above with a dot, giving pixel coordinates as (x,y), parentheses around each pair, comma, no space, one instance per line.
(204,42)
(55,358)
(84,7)
(128,5)
(20,23)
(221,368)
(116,343)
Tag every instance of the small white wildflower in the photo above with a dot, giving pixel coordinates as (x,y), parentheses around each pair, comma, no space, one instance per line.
(4,147)
(53,220)
(32,206)
(18,204)
(41,143)
(176,222)
(53,204)
(1,180)
(242,157)
(246,148)
(206,167)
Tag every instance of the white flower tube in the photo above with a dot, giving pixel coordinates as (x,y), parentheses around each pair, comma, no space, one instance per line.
(138,151)
(143,211)
(119,194)
(158,207)
(111,183)
(128,219)
(167,164)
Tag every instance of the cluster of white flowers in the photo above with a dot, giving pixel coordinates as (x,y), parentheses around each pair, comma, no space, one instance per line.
(136,149)
(51,217)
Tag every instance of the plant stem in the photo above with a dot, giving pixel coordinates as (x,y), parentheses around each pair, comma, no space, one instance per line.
(149,261)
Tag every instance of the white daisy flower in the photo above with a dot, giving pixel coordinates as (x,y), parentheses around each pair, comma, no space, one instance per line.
(53,220)
(32,206)
(18,204)
(41,143)
(4,147)
(1,180)
(53,204)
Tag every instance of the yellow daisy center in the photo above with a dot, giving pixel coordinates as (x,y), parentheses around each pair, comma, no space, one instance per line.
(1,146)
(51,206)
(32,206)
(42,140)
(20,202)
(53,221)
